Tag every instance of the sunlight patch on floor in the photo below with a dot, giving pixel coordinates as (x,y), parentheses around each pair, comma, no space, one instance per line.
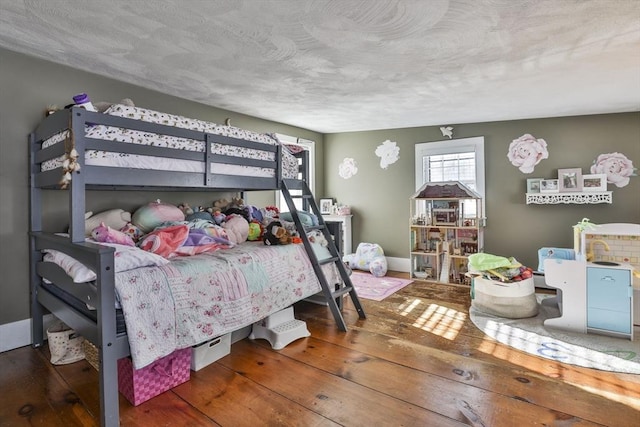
(554,369)
(436,319)
(625,400)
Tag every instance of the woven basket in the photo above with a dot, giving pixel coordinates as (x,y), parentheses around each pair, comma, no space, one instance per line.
(91,354)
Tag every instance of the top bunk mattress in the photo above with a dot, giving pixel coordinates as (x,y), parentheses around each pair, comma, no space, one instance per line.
(131,136)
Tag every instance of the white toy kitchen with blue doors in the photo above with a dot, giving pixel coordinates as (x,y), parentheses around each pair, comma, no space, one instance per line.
(598,291)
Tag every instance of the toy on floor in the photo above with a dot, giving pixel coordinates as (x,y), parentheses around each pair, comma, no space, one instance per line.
(368,256)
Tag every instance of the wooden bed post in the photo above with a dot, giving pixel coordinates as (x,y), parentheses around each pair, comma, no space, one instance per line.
(107,349)
(35,217)
(77,188)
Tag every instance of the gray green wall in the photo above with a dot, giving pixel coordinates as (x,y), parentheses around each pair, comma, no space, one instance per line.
(380,198)
(27,86)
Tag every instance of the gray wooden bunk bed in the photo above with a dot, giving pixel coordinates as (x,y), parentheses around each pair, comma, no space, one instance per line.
(53,290)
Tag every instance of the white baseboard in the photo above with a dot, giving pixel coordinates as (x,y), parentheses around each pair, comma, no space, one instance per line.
(399,264)
(18,334)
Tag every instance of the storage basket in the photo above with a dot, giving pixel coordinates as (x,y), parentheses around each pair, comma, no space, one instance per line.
(91,354)
(65,345)
(140,385)
(514,300)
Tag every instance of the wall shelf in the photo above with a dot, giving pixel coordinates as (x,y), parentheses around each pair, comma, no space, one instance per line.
(582,198)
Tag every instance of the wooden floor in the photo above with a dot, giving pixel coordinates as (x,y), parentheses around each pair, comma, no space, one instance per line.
(416,360)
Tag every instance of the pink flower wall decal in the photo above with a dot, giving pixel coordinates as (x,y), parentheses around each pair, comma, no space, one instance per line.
(526,152)
(616,166)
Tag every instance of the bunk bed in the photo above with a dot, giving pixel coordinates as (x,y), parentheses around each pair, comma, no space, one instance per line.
(128,148)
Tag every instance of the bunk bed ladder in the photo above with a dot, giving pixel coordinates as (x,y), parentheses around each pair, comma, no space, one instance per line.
(332,295)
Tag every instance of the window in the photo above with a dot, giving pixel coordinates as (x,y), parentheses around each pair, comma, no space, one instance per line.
(453,160)
(310,147)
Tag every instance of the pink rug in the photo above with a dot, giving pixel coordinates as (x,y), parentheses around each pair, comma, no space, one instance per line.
(376,288)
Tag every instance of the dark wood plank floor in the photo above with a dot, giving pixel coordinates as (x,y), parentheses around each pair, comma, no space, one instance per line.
(416,360)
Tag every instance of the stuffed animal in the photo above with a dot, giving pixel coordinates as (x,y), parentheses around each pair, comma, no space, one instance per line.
(221,204)
(236,202)
(276,234)
(253,213)
(132,231)
(368,256)
(237,228)
(114,218)
(218,216)
(185,208)
(105,234)
(237,211)
(200,213)
(269,214)
(255,231)
(316,236)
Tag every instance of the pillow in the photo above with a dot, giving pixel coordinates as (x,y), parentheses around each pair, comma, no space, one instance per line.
(378,266)
(365,253)
(151,215)
(125,258)
(114,218)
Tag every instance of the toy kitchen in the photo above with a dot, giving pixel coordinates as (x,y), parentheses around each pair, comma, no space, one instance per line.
(599,290)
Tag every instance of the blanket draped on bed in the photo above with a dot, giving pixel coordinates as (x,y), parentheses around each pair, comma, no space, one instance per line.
(193,299)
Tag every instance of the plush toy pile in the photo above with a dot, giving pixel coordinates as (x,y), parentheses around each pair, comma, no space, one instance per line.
(170,230)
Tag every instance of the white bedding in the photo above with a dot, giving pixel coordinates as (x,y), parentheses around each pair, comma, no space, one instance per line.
(113,159)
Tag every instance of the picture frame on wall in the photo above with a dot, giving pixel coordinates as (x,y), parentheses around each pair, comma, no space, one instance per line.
(326,206)
(594,182)
(549,185)
(533,185)
(570,180)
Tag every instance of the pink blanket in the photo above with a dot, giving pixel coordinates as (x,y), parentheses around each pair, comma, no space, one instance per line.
(178,240)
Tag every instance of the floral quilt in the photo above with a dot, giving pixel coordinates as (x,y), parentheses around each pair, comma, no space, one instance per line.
(193,299)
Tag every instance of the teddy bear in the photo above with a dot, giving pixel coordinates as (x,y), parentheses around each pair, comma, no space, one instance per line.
(221,204)
(276,234)
(105,234)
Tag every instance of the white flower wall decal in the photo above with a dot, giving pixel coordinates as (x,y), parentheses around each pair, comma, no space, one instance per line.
(616,166)
(347,168)
(526,152)
(388,152)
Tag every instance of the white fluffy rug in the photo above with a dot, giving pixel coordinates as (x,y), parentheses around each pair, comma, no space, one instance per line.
(588,350)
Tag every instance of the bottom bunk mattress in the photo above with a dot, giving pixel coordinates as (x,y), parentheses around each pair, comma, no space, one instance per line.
(196,298)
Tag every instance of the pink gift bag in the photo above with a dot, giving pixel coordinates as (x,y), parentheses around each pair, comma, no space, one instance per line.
(140,385)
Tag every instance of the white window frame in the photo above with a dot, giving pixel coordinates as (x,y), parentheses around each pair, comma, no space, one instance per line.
(453,146)
(310,147)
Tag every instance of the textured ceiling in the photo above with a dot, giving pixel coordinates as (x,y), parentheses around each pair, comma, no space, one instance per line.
(346,65)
